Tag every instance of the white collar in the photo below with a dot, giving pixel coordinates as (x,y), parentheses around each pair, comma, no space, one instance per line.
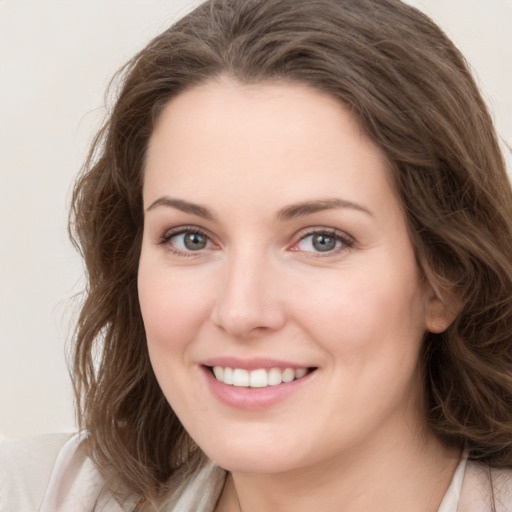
(452,497)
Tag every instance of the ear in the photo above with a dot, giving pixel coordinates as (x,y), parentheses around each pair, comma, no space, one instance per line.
(440,311)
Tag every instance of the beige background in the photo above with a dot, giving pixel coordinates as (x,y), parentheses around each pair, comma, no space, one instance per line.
(56,58)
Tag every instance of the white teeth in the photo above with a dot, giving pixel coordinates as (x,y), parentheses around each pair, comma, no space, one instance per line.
(300,373)
(228,376)
(218,371)
(274,377)
(240,378)
(260,378)
(288,375)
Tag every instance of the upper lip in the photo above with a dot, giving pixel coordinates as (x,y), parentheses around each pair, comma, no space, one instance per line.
(253,363)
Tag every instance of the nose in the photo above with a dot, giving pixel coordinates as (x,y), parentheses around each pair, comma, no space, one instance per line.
(249,302)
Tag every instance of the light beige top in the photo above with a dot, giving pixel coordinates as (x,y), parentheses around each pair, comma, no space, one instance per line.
(52,473)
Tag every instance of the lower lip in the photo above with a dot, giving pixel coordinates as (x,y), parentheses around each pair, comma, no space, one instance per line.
(253,398)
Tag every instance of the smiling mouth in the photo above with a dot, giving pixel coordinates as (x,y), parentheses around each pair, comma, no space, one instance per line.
(260,378)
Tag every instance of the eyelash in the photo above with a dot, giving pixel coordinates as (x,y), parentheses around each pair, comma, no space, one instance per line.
(346,241)
(191,230)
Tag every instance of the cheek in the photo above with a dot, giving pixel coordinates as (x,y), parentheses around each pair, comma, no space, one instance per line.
(365,311)
(371,325)
(173,308)
(173,311)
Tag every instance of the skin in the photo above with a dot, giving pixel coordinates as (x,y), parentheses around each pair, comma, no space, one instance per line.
(260,288)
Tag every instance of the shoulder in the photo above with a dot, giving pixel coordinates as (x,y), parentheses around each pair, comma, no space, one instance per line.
(48,473)
(25,468)
(53,473)
(502,484)
(483,487)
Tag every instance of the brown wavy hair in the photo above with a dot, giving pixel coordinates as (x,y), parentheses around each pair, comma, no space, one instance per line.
(414,96)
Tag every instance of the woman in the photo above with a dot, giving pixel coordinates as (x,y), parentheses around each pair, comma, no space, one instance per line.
(297,226)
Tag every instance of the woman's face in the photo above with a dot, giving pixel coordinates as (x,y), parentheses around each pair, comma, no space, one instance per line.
(276,252)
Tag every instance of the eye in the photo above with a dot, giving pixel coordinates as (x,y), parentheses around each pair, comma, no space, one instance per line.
(324,241)
(186,241)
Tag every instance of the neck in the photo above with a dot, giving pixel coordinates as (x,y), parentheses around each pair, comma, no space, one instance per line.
(383,478)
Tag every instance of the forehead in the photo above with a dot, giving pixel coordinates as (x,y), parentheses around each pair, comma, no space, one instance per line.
(258,137)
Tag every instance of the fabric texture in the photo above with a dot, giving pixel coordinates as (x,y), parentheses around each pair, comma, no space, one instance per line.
(53,473)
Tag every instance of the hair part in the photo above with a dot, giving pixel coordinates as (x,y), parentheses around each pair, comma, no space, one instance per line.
(414,96)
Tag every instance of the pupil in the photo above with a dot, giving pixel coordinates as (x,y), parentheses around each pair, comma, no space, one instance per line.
(195,241)
(324,243)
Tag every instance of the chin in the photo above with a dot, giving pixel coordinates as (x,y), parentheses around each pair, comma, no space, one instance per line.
(252,457)
(254,464)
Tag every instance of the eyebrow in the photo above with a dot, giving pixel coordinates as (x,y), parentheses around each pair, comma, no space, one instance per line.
(182,205)
(288,213)
(309,207)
